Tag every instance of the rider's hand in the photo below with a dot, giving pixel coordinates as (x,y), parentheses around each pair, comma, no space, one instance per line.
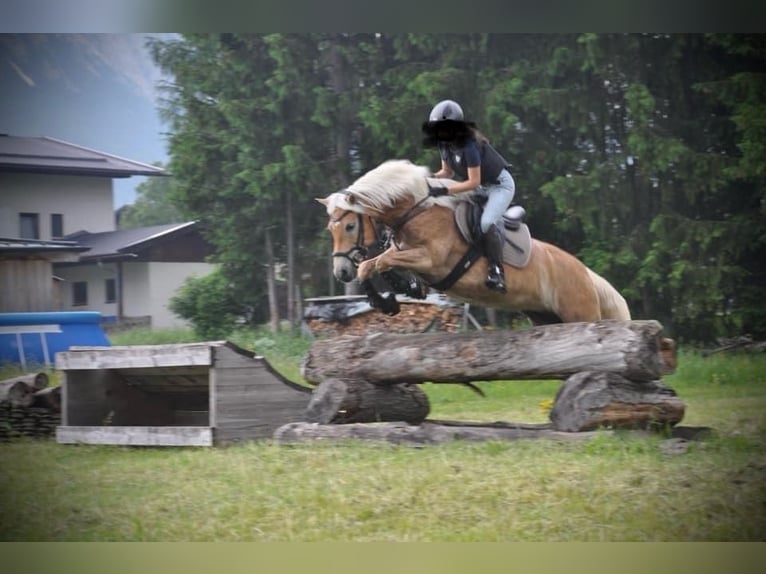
(437,191)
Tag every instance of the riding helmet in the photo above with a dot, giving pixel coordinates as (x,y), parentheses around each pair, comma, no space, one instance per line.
(446,110)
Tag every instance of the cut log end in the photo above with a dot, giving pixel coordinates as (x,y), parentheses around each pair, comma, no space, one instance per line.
(340,401)
(591,400)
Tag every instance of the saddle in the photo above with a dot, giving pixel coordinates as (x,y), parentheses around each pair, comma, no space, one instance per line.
(518,241)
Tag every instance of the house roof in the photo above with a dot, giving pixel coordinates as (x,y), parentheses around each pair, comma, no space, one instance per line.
(124,243)
(53,156)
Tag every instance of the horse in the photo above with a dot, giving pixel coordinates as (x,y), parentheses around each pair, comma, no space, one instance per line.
(552,287)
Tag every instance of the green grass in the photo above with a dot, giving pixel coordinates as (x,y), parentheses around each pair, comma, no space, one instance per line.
(611,488)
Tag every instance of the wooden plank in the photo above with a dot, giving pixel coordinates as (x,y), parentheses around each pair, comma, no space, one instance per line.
(250,402)
(136,436)
(135,356)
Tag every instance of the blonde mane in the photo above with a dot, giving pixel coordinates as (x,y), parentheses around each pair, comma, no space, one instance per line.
(386,185)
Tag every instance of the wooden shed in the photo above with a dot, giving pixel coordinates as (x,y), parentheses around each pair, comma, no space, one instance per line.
(200,394)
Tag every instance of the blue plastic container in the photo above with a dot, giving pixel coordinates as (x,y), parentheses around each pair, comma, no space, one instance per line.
(35,338)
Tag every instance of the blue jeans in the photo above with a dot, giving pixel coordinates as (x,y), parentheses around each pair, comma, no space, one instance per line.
(499,197)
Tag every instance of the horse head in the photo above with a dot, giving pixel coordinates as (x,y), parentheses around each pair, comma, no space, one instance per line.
(355,236)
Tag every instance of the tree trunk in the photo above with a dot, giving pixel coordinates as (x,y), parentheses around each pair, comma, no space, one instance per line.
(271,286)
(347,401)
(632,349)
(37,381)
(17,393)
(292,315)
(49,399)
(426,433)
(591,400)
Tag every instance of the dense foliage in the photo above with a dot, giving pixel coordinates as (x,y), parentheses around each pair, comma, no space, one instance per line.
(640,153)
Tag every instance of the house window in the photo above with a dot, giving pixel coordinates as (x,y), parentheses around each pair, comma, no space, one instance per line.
(79,293)
(57,225)
(29,226)
(111,291)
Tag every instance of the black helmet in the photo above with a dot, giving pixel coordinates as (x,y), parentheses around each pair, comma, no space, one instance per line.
(446,110)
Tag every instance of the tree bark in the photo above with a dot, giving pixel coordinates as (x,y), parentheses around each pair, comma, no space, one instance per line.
(591,400)
(49,399)
(346,401)
(17,393)
(439,432)
(632,349)
(37,381)
(424,434)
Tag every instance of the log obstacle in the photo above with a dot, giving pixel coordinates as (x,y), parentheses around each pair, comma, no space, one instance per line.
(632,349)
(29,407)
(611,371)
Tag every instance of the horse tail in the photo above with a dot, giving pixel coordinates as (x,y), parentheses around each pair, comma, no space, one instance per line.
(613,305)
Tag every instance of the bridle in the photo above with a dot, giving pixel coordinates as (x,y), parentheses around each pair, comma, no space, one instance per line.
(359,251)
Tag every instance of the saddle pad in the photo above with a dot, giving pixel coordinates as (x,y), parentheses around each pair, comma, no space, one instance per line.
(518,242)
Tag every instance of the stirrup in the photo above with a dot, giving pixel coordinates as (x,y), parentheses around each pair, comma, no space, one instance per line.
(496,282)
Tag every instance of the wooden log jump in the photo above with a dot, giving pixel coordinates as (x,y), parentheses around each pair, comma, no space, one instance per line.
(632,349)
(611,372)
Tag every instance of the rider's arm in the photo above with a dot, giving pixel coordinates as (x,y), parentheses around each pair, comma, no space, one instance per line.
(445,171)
(473,181)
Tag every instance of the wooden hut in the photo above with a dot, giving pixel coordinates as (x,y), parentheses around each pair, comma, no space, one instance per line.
(200,394)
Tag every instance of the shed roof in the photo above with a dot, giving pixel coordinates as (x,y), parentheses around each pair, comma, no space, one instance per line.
(59,251)
(53,156)
(16,245)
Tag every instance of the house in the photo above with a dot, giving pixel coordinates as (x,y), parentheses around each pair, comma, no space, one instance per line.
(60,249)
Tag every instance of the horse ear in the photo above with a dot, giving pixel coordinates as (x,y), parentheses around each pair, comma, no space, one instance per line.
(323,200)
(351,199)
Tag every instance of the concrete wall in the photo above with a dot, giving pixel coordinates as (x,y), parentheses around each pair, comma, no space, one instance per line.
(86,203)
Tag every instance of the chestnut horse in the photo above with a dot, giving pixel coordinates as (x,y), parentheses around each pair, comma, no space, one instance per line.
(553,287)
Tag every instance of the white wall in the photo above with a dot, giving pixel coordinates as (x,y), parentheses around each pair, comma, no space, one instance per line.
(162,280)
(85,202)
(148,288)
(96,276)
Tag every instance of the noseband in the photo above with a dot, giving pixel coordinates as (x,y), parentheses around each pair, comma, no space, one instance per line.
(359,252)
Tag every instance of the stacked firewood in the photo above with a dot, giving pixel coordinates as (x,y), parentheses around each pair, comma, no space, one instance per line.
(29,407)
(414,317)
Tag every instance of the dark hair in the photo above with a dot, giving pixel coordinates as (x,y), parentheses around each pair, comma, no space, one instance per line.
(449,131)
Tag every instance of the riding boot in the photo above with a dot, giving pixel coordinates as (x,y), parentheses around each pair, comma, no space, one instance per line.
(494,240)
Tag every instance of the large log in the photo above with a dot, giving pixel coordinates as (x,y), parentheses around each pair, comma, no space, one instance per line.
(49,399)
(17,393)
(37,381)
(347,401)
(591,400)
(436,432)
(632,349)
(424,434)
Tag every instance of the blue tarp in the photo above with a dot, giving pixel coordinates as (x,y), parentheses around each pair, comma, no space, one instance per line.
(35,338)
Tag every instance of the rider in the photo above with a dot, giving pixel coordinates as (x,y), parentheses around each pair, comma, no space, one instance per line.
(467,155)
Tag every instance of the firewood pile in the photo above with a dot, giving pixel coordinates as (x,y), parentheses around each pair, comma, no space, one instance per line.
(352,315)
(29,407)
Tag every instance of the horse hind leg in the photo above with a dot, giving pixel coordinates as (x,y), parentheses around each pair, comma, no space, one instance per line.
(578,303)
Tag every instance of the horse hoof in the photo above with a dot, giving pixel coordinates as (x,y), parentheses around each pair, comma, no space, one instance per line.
(390,306)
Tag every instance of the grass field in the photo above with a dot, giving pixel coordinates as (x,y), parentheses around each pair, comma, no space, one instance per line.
(611,488)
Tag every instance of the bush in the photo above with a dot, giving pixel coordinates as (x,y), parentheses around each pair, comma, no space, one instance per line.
(206,302)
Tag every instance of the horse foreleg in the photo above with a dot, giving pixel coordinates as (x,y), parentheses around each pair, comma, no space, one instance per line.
(366,269)
(416,259)
(388,305)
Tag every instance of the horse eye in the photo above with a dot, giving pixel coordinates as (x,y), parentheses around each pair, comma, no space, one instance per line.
(350,227)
